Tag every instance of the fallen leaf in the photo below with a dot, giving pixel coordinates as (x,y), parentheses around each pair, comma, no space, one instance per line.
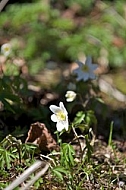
(40,135)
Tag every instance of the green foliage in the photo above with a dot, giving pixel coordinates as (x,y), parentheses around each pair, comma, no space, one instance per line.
(90,118)
(9,96)
(85,120)
(29,150)
(89,148)
(13,154)
(79,117)
(67,155)
(26,13)
(19,131)
(38,183)
(84,6)
(60,172)
(45,25)
(6,158)
(11,69)
(12,150)
(110,135)
(79,121)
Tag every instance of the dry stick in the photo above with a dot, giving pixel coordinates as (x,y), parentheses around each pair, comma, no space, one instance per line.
(36,177)
(2,4)
(78,142)
(25,174)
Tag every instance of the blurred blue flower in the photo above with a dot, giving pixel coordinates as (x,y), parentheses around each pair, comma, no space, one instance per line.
(85,70)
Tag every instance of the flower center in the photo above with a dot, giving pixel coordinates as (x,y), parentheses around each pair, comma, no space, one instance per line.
(85,68)
(7,49)
(61,116)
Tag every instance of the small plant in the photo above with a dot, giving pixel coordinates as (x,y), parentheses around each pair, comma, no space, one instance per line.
(13,153)
(65,167)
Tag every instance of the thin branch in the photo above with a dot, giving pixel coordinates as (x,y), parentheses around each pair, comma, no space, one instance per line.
(76,135)
(26,174)
(36,177)
(2,4)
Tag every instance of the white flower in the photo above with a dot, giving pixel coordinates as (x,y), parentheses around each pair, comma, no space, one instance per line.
(85,70)
(70,96)
(6,49)
(60,115)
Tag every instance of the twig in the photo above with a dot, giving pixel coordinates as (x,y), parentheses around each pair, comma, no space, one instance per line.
(81,149)
(26,174)
(36,177)
(2,4)
(47,157)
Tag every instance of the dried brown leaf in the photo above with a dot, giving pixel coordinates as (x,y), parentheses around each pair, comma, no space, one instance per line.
(40,135)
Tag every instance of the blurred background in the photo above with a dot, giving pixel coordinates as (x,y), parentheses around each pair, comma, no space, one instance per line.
(60,31)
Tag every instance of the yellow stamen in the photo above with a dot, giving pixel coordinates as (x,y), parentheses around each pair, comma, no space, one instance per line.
(7,49)
(85,68)
(61,116)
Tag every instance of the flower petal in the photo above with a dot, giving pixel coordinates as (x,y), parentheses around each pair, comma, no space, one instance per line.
(88,61)
(54,118)
(86,76)
(6,49)
(63,108)
(66,125)
(70,95)
(80,64)
(80,74)
(60,116)
(59,126)
(94,66)
(54,108)
(92,76)
(76,71)
(85,73)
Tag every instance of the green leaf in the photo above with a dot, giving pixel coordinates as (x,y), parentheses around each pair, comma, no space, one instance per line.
(7,159)
(61,169)
(79,117)
(83,127)
(58,174)
(2,162)
(67,155)
(110,134)
(8,96)
(90,118)
(89,147)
